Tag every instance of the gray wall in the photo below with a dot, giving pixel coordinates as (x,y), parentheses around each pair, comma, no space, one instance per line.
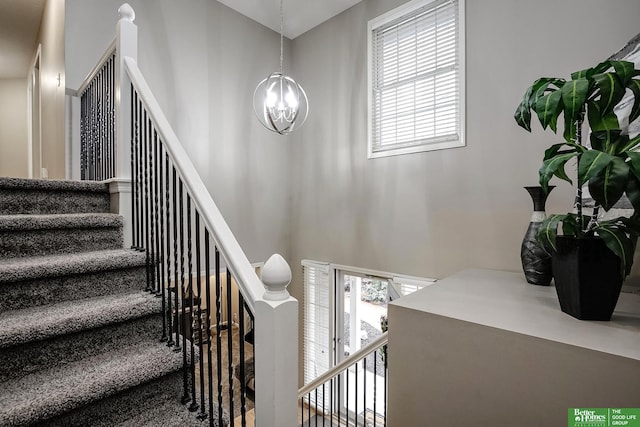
(13,128)
(431,214)
(203,60)
(52,72)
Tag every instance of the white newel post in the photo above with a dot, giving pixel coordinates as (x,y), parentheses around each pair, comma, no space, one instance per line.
(276,348)
(120,187)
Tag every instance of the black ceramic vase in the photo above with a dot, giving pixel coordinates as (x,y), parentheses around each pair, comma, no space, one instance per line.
(536,262)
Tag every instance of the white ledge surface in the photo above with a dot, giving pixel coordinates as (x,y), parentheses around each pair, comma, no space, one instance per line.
(504,300)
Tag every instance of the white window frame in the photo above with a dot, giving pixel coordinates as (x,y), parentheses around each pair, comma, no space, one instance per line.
(431,144)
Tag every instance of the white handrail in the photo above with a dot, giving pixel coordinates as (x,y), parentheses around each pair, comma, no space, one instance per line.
(346,363)
(96,68)
(236,260)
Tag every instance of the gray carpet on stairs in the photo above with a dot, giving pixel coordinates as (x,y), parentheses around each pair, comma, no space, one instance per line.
(41,196)
(51,392)
(34,281)
(37,323)
(35,235)
(79,337)
(19,361)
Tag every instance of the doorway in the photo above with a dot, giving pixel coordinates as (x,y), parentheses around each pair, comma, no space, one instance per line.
(35,118)
(363,305)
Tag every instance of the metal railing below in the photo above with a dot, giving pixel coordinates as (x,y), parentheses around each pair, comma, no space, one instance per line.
(352,393)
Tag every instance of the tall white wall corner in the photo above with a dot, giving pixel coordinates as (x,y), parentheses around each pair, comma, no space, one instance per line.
(276,276)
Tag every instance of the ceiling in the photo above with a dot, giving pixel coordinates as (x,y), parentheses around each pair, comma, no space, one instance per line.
(299,15)
(19,25)
(20,22)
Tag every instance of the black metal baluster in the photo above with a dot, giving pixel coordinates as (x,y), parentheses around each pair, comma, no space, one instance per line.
(107,120)
(103,84)
(203,413)
(151,249)
(162,274)
(139,130)
(331,402)
(375,386)
(230,345)
(339,402)
(356,395)
(167,242)
(386,355)
(134,171)
(156,225)
(112,124)
(243,385)
(104,120)
(83,119)
(302,409)
(183,323)
(364,387)
(218,334)
(315,409)
(96,141)
(90,130)
(192,295)
(100,140)
(96,131)
(147,201)
(346,397)
(133,188)
(324,395)
(176,278)
(208,293)
(100,149)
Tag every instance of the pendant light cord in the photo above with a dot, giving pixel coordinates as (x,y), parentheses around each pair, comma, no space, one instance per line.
(281,35)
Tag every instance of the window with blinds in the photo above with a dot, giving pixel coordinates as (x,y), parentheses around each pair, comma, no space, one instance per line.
(416,78)
(317,310)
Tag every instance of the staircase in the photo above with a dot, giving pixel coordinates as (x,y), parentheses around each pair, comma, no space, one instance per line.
(79,335)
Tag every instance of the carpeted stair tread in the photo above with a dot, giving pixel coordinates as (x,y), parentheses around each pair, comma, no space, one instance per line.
(37,323)
(37,235)
(39,196)
(20,269)
(59,221)
(155,403)
(52,185)
(48,393)
(25,359)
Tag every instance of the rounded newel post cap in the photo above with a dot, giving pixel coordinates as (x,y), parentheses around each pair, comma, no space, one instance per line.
(276,276)
(126,12)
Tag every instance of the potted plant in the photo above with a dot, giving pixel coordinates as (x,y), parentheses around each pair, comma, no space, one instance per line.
(591,257)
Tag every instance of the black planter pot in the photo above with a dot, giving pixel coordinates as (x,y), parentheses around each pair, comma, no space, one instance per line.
(587,278)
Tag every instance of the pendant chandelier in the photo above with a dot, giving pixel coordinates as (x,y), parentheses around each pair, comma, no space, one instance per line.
(279,102)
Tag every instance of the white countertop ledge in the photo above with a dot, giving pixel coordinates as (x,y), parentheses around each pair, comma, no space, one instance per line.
(504,300)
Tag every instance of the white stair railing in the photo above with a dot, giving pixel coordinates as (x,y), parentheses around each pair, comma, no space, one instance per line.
(193,258)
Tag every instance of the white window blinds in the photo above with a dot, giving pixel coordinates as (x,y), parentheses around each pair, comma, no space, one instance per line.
(317,311)
(416,79)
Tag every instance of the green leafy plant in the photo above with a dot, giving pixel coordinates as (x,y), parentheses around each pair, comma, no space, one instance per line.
(610,165)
